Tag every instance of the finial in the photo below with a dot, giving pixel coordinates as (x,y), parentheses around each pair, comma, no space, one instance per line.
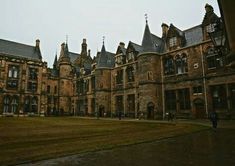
(66,39)
(146,17)
(103,39)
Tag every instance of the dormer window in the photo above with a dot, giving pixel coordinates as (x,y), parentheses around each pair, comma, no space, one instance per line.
(210,28)
(173,41)
(130,57)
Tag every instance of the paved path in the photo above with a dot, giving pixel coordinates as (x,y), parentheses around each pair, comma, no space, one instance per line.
(208,148)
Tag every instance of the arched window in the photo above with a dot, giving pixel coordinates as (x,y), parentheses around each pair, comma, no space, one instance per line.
(185,63)
(169,65)
(181,64)
(14,105)
(178,64)
(6,104)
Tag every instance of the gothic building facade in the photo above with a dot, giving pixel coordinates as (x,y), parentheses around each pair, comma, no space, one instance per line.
(180,72)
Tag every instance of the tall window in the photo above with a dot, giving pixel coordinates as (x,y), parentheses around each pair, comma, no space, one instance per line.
(6,104)
(34,105)
(13,76)
(170,100)
(181,64)
(14,104)
(130,74)
(169,66)
(184,98)
(32,80)
(55,89)
(27,105)
(80,86)
(93,83)
(48,88)
(173,41)
(33,74)
(119,77)
(219,99)
(214,60)
(131,105)
(130,57)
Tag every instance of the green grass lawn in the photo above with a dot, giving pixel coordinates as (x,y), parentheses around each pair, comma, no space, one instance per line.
(25,139)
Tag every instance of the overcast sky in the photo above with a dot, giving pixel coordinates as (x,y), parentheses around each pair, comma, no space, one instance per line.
(24,21)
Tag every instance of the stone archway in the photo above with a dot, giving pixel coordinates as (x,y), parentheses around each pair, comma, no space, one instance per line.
(199,106)
(150,110)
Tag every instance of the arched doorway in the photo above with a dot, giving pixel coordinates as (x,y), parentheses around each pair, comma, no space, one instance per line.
(150,110)
(199,105)
(101,111)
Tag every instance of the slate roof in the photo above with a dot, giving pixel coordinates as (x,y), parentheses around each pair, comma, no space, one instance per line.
(137,47)
(193,35)
(73,56)
(105,59)
(19,50)
(158,42)
(147,42)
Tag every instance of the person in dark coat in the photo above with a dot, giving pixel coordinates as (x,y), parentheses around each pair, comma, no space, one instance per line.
(214,119)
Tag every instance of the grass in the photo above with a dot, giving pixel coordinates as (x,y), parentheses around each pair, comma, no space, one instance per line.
(28,139)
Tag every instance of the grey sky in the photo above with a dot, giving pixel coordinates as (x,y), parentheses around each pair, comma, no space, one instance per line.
(118,20)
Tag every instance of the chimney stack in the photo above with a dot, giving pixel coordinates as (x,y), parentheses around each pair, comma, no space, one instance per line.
(165,29)
(37,43)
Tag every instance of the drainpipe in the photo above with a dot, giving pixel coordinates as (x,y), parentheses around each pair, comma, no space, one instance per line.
(204,80)
(163,93)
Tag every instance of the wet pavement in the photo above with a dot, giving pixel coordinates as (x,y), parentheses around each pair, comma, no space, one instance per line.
(210,148)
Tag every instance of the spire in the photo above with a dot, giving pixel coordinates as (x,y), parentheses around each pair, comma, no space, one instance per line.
(103,47)
(64,53)
(55,61)
(102,58)
(147,42)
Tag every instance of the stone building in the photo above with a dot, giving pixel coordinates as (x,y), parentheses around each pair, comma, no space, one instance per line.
(180,72)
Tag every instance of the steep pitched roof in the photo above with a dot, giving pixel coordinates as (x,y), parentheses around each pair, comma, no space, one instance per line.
(136,47)
(105,59)
(73,56)
(19,50)
(158,42)
(147,42)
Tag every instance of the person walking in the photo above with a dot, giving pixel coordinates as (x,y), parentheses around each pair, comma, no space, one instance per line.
(214,119)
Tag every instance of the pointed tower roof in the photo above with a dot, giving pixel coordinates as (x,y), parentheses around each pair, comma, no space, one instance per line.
(64,53)
(105,59)
(147,42)
(55,61)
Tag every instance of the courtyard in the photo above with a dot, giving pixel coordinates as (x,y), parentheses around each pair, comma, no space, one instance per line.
(31,139)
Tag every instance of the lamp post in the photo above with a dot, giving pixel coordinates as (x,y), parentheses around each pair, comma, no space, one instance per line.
(218,39)
(227,14)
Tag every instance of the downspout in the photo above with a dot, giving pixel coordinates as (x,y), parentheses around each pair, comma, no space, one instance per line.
(204,80)
(163,93)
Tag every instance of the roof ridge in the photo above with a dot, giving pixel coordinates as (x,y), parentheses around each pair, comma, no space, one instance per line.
(17,43)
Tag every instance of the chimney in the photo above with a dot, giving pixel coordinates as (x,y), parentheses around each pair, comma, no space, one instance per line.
(121,44)
(165,29)
(37,43)
(84,47)
(208,8)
